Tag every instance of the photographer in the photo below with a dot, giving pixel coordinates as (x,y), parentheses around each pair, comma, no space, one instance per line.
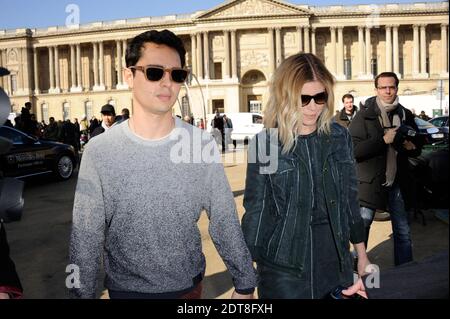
(382,144)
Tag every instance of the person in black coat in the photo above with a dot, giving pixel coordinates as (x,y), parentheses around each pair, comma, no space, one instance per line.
(381,151)
(108,120)
(218,124)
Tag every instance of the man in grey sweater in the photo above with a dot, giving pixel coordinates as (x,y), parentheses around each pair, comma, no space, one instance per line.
(143,217)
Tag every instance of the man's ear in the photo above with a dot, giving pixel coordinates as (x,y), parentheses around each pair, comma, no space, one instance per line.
(128,77)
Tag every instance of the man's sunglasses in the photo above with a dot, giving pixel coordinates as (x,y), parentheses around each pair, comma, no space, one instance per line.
(320,98)
(155,73)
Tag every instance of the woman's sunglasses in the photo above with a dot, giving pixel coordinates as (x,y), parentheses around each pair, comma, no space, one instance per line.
(155,73)
(320,98)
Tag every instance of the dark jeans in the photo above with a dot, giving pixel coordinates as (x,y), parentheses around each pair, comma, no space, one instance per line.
(400,225)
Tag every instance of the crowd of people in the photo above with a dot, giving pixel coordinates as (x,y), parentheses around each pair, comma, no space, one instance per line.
(75,133)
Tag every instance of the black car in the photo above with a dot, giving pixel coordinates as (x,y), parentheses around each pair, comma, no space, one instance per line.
(430,133)
(30,156)
(441,122)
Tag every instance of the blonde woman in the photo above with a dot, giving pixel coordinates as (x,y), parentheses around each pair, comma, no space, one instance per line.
(300,217)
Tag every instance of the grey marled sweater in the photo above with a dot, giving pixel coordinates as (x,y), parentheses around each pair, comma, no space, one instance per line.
(138,208)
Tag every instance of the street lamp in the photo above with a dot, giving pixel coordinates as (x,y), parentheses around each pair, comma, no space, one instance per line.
(201,92)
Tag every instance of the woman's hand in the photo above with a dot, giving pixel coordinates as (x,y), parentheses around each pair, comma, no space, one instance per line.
(356,288)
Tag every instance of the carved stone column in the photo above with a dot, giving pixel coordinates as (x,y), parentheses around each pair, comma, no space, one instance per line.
(51,70)
(300,39)
(388,49)
(199,56)
(78,53)
(271,52)
(233,55)
(313,40)
(119,64)
(95,65)
(206,53)
(278,46)
(57,71)
(368,54)
(226,35)
(306,38)
(124,49)
(36,71)
(333,51)
(444,52)
(340,54)
(396,54)
(72,69)
(102,66)
(416,50)
(194,53)
(423,51)
(361,53)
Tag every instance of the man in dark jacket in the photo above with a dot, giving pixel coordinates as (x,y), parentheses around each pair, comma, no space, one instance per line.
(348,112)
(218,124)
(108,120)
(381,152)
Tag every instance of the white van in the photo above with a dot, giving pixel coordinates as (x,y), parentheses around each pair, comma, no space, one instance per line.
(245,125)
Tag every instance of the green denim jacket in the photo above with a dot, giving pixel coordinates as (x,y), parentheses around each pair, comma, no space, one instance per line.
(278,206)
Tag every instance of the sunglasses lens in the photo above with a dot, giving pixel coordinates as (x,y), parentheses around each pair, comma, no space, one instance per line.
(179,76)
(306,99)
(321,98)
(154,74)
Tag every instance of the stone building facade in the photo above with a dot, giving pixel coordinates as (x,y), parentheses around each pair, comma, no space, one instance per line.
(233,50)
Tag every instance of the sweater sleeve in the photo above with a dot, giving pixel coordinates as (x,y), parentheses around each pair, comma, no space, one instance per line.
(225,229)
(88,226)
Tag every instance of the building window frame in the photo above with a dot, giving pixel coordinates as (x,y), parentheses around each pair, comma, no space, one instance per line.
(374,66)
(66,111)
(348,69)
(45,112)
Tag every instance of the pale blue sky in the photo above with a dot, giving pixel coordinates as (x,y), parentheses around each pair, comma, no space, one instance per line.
(44,13)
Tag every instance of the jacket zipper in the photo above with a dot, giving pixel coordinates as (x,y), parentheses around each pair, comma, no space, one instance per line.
(260,215)
(310,222)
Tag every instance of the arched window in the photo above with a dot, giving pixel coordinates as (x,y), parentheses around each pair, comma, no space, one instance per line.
(253,77)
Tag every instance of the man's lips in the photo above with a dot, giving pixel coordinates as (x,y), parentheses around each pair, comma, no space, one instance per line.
(164,97)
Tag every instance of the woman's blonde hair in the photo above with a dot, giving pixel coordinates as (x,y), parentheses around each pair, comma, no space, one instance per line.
(282,112)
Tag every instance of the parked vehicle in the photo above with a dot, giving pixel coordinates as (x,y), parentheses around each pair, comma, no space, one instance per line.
(441,122)
(430,133)
(245,125)
(30,156)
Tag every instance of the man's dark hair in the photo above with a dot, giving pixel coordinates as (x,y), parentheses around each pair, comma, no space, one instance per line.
(28,104)
(347,96)
(126,111)
(387,75)
(166,37)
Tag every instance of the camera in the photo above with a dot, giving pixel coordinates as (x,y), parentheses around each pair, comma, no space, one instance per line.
(404,133)
(11,189)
